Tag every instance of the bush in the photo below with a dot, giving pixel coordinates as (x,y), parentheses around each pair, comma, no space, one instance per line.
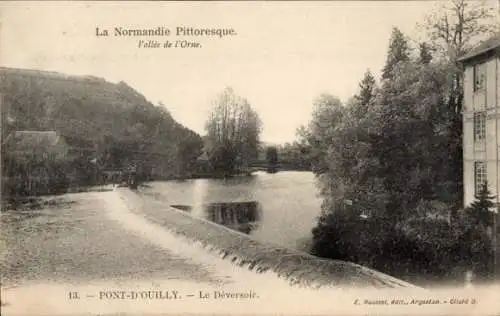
(475,251)
(58,180)
(350,238)
(423,248)
(223,160)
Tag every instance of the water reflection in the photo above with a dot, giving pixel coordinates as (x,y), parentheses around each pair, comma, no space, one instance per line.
(289,200)
(199,197)
(240,216)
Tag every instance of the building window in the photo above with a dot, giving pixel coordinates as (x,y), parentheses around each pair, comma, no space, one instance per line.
(479,76)
(479,126)
(479,175)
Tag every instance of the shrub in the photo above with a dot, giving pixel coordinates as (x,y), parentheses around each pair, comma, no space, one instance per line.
(480,209)
(427,247)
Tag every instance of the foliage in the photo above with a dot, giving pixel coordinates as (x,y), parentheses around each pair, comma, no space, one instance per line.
(394,152)
(458,25)
(365,97)
(32,177)
(425,54)
(399,51)
(480,210)
(272,159)
(419,251)
(295,156)
(233,131)
(327,116)
(412,135)
(188,151)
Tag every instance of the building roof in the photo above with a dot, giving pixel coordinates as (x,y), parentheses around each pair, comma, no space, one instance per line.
(30,140)
(78,142)
(486,46)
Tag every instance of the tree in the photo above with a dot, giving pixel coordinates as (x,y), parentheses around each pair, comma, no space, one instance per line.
(453,31)
(327,118)
(481,208)
(233,131)
(399,51)
(394,152)
(459,25)
(295,156)
(475,241)
(365,97)
(188,150)
(365,184)
(411,132)
(425,56)
(272,159)
(387,161)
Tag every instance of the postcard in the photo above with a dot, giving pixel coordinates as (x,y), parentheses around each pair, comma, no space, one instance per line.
(250,158)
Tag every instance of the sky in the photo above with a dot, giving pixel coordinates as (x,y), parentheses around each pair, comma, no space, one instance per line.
(283,56)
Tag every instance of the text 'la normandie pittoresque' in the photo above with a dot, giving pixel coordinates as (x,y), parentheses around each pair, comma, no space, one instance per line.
(156,33)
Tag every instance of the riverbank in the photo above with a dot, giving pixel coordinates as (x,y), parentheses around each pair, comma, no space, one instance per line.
(42,201)
(12,196)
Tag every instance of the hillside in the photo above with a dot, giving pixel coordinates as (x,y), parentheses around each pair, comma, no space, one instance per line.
(118,121)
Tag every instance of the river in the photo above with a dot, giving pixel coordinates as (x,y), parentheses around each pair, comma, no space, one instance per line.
(280,208)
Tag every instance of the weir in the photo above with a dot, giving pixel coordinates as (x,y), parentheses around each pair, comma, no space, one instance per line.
(298,268)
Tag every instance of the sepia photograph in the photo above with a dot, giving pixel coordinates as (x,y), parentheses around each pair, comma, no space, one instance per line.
(250,157)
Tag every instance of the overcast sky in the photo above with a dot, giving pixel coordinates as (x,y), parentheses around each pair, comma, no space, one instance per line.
(283,56)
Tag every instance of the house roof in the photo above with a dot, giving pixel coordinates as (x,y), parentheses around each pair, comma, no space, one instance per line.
(29,140)
(78,142)
(486,46)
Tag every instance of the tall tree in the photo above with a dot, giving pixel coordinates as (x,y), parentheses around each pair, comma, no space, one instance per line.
(233,131)
(399,51)
(481,208)
(425,53)
(328,115)
(459,25)
(365,97)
